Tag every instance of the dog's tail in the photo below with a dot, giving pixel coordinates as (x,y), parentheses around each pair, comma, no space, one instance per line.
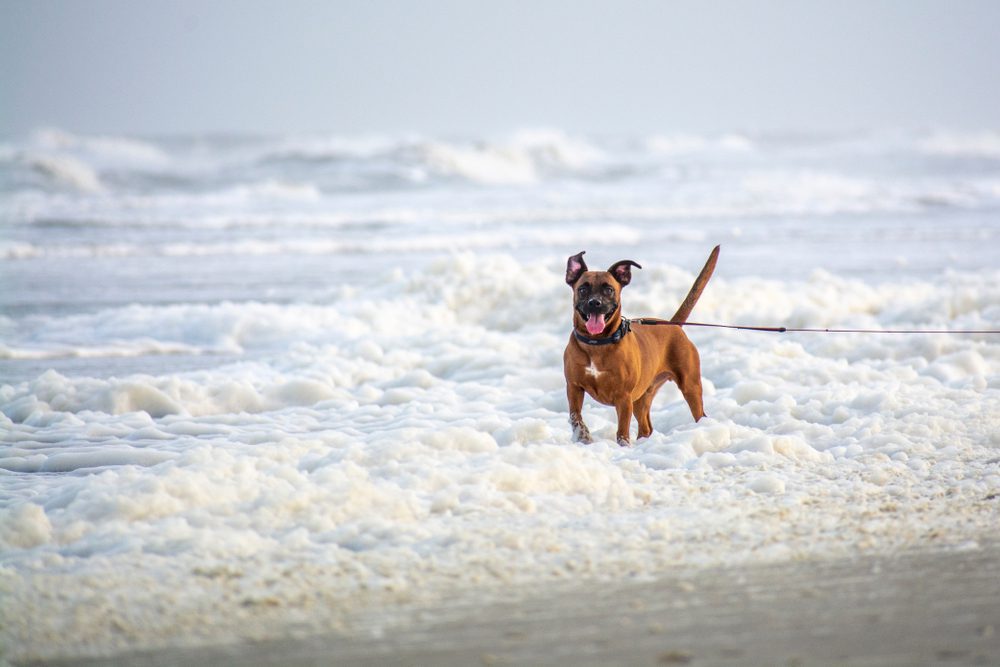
(680,317)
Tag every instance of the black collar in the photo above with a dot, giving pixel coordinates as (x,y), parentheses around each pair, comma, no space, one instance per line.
(619,333)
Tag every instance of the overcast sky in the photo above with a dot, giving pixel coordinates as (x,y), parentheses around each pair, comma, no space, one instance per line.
(461,67)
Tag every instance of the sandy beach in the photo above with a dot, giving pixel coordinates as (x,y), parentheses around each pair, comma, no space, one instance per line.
(923,608)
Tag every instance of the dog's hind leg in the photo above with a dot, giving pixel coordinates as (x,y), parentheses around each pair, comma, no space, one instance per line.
(690,386)
(642,405)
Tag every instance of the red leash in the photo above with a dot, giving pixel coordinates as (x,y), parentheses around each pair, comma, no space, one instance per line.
(647,320)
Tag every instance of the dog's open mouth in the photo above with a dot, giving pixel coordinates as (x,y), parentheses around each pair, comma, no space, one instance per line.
(595,323)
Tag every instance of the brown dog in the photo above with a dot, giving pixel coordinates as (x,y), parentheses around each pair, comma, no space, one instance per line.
(623,363)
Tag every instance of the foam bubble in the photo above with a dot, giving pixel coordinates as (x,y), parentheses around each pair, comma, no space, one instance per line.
(767,484)
(26,526)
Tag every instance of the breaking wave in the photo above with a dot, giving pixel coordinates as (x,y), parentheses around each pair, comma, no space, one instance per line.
(65,171)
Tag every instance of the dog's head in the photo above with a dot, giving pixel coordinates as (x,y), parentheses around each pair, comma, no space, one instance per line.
(597,294)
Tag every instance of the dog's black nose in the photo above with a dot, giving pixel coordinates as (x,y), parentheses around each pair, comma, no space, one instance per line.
(594,304)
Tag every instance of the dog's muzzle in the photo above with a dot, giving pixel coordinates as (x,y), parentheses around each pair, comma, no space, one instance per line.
(595,313)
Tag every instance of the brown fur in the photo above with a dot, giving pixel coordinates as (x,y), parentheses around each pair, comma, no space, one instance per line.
(627,374)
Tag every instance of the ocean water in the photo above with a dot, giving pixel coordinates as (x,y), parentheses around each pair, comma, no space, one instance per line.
(266,387)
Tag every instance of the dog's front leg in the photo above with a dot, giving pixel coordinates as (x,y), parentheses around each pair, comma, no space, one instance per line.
(580,431)
(624,409)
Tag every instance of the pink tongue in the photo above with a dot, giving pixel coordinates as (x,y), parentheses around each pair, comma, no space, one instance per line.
(595,324)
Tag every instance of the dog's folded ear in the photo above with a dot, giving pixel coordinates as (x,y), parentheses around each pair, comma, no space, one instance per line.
(622,271)
(575,267)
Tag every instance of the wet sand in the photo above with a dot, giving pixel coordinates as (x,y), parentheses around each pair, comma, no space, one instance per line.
(923,608)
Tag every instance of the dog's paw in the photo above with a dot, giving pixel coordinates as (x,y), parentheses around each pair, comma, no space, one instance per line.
(624,442)
(582,434)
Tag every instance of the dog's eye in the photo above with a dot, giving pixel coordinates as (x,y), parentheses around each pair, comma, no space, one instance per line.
(584,290)
(607,291)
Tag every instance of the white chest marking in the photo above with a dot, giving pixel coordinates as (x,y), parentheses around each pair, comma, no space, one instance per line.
(592,370)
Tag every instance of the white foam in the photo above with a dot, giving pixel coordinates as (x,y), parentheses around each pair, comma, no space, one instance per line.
(352,451)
